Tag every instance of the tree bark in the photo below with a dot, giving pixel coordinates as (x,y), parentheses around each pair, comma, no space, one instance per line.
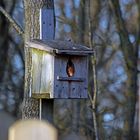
(30,106)
(131,95)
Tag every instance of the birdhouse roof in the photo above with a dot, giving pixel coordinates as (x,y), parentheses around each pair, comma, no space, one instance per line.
(60,47)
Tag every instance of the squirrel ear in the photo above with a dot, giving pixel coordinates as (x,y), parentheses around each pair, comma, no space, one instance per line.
(69,62)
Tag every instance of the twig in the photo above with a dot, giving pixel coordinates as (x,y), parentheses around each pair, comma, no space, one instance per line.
(138,30)
(123,33)
(12,21)
(93,100)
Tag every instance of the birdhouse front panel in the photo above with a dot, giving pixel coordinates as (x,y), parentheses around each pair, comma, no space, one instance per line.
(70,77)
(42,74)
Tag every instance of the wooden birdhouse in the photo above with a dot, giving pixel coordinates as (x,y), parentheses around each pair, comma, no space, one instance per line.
(58,69)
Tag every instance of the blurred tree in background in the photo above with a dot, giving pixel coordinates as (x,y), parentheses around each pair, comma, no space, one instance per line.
(11,59)
(114,28)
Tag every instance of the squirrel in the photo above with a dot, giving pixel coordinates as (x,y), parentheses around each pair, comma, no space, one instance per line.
(70,68)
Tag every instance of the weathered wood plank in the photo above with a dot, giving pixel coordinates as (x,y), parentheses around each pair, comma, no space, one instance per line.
(46,23)
(42,74)
(47,74)
(40,46)
(47,31)
(36,70)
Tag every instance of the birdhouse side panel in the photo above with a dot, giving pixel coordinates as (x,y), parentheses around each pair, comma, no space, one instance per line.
(47,75)
(42,74)
(36,70)
(68,85)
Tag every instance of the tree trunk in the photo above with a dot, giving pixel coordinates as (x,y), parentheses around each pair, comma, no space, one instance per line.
(130,53)
(130,107)
(32,31)
(4,42)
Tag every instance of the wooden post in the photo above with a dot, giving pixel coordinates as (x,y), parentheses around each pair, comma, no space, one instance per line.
(139,104)
(47,31)
(138,85)
(47,23)
(32,130)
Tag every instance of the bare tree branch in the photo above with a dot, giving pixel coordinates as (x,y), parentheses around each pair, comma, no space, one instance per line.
(18,49)
(93,61)
(138,32)
(12,21)
(126,45)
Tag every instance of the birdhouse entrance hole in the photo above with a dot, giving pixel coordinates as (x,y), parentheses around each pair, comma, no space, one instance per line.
(70,69)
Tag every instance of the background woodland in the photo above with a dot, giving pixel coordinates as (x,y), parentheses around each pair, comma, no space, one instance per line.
(112,29)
